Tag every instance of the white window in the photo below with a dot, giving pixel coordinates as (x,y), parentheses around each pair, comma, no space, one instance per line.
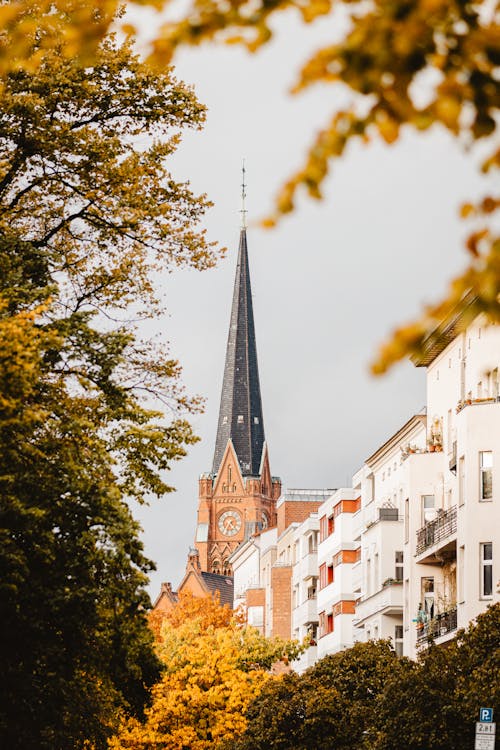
(398,640)
(486,475)
(487,570)
(398,559)
(256,420)
(428,508)
(240,418)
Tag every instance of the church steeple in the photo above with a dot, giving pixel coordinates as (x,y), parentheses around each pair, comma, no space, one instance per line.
(240,415)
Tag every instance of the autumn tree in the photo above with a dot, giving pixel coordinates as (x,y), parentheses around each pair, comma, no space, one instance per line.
(88,213)
(389,54)
(214,667)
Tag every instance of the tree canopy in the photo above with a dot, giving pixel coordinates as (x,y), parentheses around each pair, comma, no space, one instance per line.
(88,212)
(415,64)
(214,667)
(367,698)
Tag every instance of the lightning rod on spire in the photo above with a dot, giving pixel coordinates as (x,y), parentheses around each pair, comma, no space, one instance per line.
(243,210)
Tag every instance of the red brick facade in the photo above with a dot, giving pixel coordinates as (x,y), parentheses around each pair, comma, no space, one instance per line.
(231,508)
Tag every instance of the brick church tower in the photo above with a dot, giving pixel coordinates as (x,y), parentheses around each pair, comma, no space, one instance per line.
(238,497)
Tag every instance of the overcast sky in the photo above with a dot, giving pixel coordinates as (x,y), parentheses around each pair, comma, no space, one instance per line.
(328,284)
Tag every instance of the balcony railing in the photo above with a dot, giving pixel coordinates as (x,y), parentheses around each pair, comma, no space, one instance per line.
(438,626)
(443,526)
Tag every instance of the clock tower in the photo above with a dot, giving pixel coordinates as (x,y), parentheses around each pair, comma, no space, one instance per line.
(237,498)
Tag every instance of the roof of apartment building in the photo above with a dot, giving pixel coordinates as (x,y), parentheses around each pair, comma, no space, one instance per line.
(303,495)
(394,440)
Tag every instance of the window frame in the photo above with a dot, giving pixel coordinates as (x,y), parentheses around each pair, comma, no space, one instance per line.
(484,563)
(484,471)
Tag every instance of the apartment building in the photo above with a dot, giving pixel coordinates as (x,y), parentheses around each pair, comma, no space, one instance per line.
(385,482)
(452,540)
(338,551)
(412,550)
(304,590)
(263,564)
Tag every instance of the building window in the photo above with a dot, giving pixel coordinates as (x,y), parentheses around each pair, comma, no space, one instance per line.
(331,525)
(486,477)
(311,591)
(398,640)
(322,624)
(329,623)
(427,588)
(407,520)
(311,543)
(323,528)
(322,576)
(487,570)
(428,508)
(398,559)
(240,418)
(329,574)
(256,420)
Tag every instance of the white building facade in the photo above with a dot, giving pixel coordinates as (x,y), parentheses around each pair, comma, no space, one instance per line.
(453,535)
(338,551)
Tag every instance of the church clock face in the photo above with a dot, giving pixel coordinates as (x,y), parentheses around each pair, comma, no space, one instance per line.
(229,523)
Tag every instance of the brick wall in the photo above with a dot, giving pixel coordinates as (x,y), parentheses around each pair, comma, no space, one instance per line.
(281,592)
(295,511)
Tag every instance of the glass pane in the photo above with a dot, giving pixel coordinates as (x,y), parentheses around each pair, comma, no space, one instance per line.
(488,580)
(488,551)
(486,484)
(486,459)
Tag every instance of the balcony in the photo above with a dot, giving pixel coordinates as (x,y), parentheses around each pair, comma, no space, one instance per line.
(306,567)
(437,531)
(387,601)
(306,612)
(382,513)
(435,629)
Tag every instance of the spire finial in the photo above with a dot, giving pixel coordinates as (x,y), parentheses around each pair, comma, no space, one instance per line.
(243,210)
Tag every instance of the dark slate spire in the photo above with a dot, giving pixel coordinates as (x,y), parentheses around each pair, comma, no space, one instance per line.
(240,415)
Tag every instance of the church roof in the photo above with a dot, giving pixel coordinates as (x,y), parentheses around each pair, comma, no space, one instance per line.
(240,414)
(223,584)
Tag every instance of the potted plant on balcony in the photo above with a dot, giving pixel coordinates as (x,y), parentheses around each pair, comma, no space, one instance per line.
(435,439)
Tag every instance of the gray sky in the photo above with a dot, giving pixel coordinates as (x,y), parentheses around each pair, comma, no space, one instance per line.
(328,284)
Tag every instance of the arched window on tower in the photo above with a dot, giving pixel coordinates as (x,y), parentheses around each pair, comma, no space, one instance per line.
(216,567)
(226,569)
(229,473)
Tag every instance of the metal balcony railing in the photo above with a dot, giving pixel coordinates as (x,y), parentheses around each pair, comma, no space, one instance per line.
(443,526)
(438,626)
